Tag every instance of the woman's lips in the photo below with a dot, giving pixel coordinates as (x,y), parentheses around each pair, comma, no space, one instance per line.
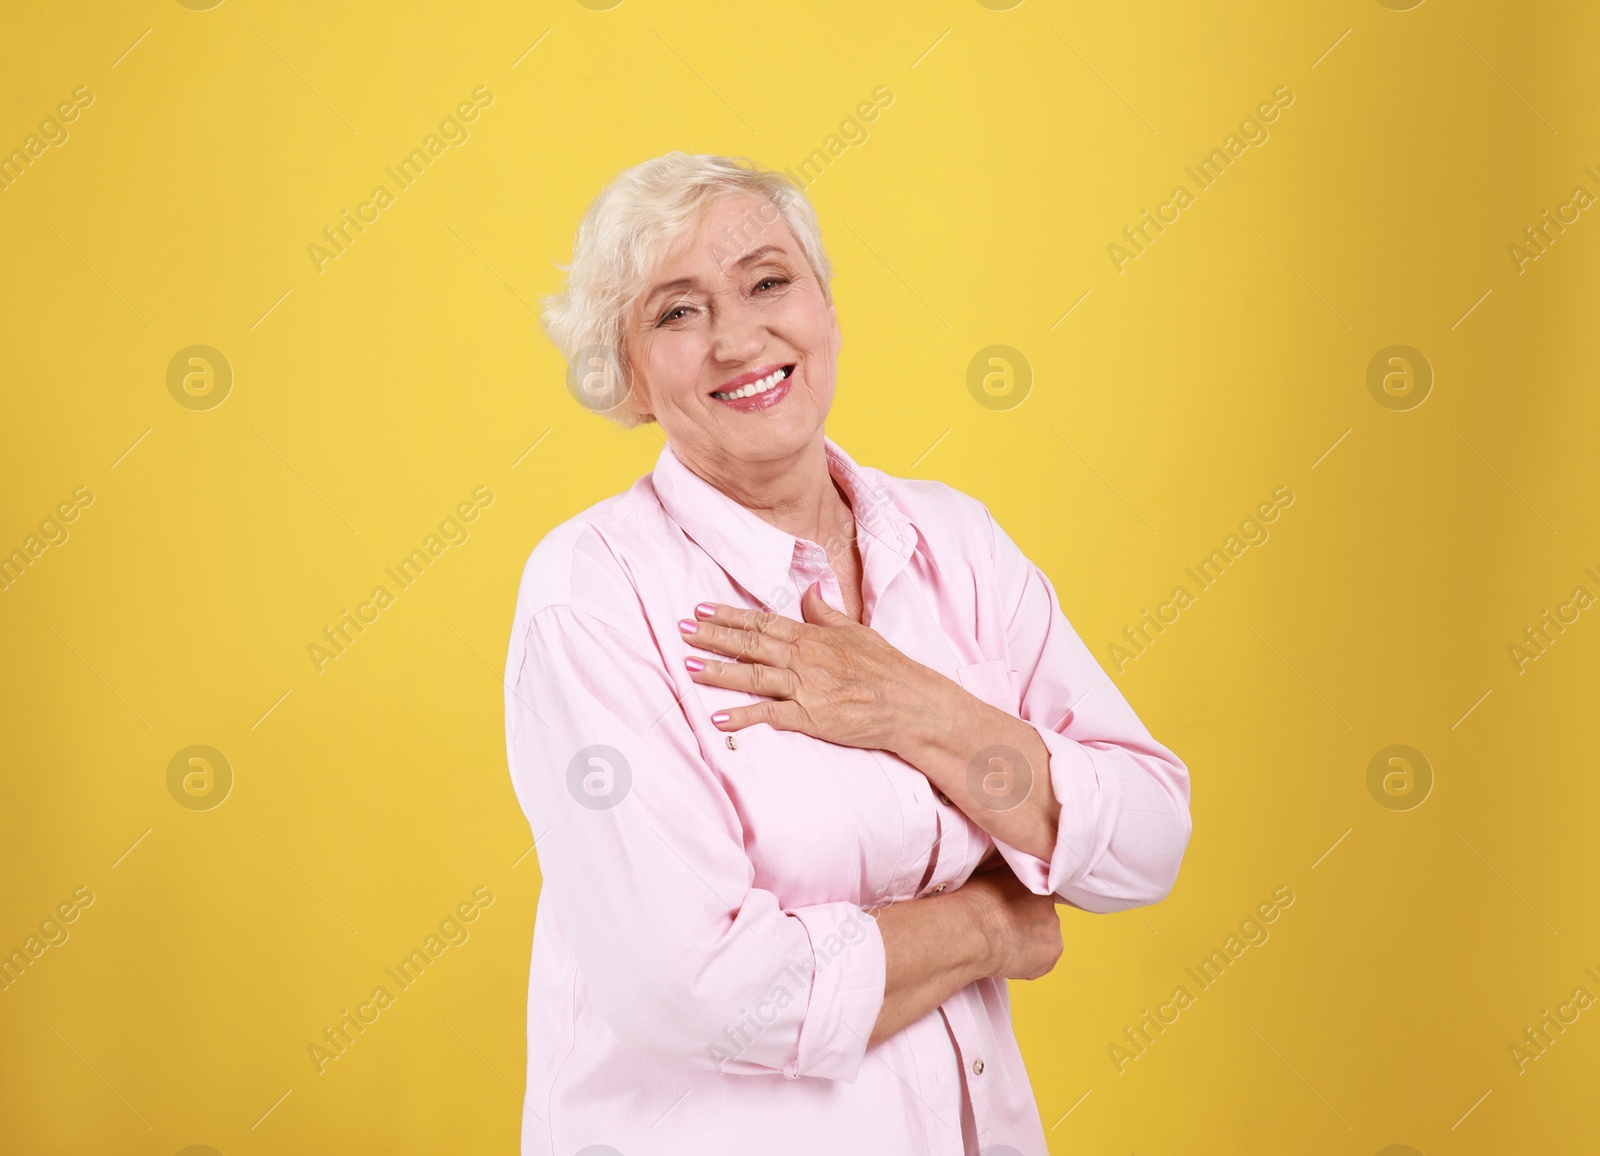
(764,400)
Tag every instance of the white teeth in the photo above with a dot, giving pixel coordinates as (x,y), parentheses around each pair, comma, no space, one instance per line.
(753,387)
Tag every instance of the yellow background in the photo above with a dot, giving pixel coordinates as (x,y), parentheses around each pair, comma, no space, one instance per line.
(1175,396)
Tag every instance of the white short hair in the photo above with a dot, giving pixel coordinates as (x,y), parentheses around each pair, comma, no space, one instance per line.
(635,224)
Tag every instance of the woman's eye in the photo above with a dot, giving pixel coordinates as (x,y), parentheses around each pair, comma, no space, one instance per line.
(673,314)
(770,281)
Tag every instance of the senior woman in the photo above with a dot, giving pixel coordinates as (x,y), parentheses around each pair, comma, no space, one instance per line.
(810,752)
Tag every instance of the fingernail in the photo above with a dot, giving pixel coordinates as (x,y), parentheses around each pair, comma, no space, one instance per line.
(705,610)
(720,717)
(688,626)
(694,663)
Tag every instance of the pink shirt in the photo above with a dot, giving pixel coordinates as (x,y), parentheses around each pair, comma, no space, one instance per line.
(704,977)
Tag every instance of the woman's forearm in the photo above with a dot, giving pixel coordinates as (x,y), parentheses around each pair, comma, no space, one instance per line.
(1013,800)
(933,948)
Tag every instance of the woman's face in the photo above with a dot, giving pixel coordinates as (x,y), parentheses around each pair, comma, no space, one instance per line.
(733,307)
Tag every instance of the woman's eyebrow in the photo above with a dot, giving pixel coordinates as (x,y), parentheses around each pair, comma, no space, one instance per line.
(667,287)
(752,257)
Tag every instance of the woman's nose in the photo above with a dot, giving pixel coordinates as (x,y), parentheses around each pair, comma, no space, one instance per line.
(737,333)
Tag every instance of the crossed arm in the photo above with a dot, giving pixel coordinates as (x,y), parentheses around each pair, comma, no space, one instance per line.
(840,681)
(836,680)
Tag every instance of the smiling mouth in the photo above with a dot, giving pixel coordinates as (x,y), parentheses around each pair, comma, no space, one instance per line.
(751,389)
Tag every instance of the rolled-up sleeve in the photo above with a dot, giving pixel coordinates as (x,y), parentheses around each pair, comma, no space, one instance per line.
(1124,797)
(644,869)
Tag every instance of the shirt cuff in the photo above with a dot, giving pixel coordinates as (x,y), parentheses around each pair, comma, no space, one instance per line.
(847,986)
(1082,834)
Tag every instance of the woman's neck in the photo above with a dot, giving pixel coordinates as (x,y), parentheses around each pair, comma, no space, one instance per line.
(798,495)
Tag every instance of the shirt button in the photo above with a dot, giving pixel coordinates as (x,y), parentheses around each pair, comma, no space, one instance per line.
(733,743)
(977,1067)
(938,889)
(944,798)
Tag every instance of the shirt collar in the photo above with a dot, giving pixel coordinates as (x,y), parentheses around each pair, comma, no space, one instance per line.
(757,554)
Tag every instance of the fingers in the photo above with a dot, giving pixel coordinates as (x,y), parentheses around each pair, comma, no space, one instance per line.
(816,610)
(756,642)
(779,714)
(753,677)
(764,621)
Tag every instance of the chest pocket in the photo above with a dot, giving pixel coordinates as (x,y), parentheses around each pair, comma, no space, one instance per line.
(990,681)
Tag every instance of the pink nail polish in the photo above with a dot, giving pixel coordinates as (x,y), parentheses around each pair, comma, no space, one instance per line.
(720,717)
(705,610)
(688,626)
(694,663)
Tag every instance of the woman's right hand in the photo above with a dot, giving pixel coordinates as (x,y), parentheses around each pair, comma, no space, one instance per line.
(1023,929)
(934,946)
